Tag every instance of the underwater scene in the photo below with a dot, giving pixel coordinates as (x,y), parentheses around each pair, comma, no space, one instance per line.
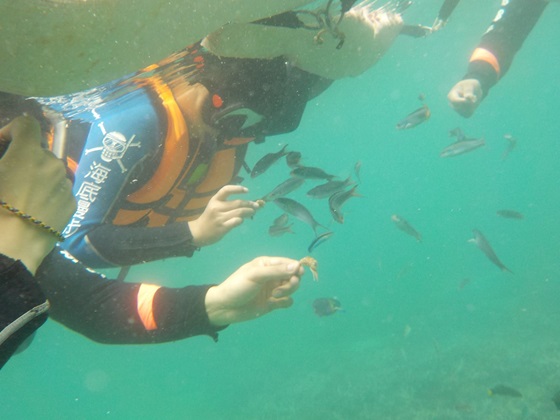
(437,250)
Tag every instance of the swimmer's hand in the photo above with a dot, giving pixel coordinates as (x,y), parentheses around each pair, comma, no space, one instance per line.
(465,97)
(221,216)
(33,180)
(256,288)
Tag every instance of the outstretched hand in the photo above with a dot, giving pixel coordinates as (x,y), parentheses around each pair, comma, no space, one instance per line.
(256,288)
(465,97)
(33,180)
(221,215)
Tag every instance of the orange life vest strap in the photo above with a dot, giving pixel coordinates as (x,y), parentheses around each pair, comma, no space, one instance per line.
(145,305)
(481,54)
(175,149)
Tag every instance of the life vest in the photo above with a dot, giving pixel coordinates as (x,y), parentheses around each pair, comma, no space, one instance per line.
(190,171)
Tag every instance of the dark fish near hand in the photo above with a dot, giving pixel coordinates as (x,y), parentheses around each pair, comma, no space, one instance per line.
(319,240)
(406,227)
(510,214)
(485,247)
(293,158)
(280,230)
(415,118)
(329,188)
(326,306)
(266,162)
(512,142)
(286,187)
(281,220)
(462,146)
(298,211)
(310,172)
(337,200)
(504,390)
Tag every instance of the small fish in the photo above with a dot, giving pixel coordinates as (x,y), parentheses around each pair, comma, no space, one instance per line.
(326,306)
(319,240)
(357,169)
(329,188)
(415,118)
(406,227)
(463,283)
(512,142)
(407,330)
(510,214)
(505,391)
(275,231)
(462,146)
(310,172)
(556,400)
(293,158)
(281,220)
(485,247)
(298,211)
(337,200)
(458,134)
(286,187)
(266,162)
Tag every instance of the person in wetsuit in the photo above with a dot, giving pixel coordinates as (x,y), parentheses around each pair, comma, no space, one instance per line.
(224,104)
(493,56)
(148,163)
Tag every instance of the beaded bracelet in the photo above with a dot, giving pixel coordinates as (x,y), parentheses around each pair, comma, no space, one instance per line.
(31,219)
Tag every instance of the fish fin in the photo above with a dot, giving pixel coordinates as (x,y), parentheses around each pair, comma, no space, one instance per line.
(506,270)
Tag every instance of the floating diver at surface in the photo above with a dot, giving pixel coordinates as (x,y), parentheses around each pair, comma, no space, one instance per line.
(326,306)
(406,227)
(480,241)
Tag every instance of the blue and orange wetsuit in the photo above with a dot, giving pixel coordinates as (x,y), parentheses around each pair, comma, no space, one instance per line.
(492,58)
(142,173)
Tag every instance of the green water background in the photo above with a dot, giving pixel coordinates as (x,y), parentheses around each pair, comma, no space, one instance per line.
(361,363)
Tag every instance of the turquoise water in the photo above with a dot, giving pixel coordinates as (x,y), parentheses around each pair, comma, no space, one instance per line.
(411,343)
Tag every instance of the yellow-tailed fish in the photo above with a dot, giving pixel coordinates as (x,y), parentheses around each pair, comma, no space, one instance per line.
(485,247)
(414,118)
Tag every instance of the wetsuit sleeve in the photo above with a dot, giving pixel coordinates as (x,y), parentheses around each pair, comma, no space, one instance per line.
(120,145)
(128,245)
(492,58)
(114,312)
(23,306)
